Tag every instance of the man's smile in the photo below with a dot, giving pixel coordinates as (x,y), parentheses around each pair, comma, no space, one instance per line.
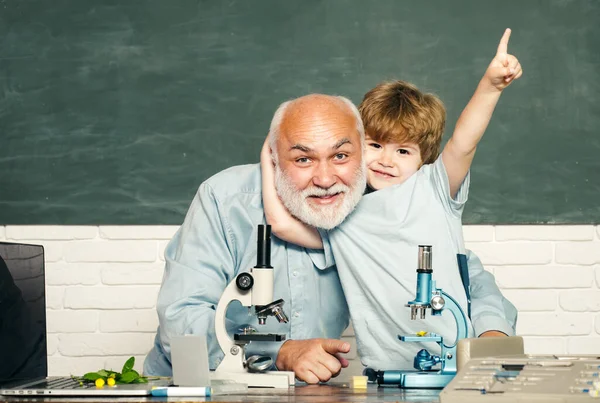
(327,199)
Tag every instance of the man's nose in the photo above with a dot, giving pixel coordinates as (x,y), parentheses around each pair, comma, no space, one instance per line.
(325,176)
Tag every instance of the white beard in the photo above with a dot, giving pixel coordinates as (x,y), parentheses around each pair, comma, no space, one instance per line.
(320,216)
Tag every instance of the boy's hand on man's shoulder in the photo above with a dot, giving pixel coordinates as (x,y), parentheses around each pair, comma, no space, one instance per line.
(504,68)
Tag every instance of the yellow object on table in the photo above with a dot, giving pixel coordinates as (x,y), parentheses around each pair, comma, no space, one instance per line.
(421,333)
(359,382)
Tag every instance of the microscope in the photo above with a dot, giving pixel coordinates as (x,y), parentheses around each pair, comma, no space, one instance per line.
(427,297)
(255,291)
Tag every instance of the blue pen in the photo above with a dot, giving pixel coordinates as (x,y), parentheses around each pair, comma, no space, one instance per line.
(181,391)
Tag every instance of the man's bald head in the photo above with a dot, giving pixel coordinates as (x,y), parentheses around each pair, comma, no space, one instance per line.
(315,108)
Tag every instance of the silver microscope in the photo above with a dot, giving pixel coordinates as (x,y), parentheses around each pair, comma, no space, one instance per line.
(254,290)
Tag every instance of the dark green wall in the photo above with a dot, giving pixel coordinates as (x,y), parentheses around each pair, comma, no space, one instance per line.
(113,112)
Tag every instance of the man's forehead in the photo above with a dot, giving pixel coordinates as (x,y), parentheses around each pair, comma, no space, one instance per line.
(319,128)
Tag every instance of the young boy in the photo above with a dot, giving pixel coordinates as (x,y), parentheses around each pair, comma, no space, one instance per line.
(419,200)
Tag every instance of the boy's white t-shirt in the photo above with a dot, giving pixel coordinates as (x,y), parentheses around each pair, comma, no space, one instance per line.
(376,253)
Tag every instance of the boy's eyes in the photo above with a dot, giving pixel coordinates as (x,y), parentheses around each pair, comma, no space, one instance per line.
(402,151)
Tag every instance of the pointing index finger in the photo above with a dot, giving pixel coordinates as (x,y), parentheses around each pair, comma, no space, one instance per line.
(503,46)
(333,346)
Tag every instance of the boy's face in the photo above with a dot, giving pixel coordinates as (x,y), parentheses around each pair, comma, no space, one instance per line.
(390,163)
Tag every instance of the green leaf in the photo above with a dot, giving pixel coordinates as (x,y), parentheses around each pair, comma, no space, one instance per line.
(128,377)
(128,365)
(92,376)
(141,379)
(103,373)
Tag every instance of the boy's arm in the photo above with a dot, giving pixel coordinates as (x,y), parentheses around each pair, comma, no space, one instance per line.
(460,149)
(282,223)
(491,313)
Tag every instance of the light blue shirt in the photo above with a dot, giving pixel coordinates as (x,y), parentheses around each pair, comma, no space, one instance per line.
(376,252)
(216,242)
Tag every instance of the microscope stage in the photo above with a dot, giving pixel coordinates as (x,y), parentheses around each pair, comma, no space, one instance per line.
(246,337)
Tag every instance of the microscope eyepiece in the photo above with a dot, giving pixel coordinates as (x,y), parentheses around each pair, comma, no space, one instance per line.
(425,256)
(263,247)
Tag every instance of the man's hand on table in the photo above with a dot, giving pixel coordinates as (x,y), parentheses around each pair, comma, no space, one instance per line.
(492,333)
(313,360)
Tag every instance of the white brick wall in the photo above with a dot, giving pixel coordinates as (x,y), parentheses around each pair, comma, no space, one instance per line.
(102,283)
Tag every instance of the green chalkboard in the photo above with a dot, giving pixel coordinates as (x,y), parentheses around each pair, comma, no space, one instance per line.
(113,112)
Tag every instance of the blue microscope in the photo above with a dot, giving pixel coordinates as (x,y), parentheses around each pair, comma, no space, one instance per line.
(428,296)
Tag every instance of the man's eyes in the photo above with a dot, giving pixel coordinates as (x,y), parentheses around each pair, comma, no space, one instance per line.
(307,160)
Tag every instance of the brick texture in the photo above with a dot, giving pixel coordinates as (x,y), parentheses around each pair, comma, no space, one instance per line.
(545,233)
(533,300)
(478,233)
(580,300)
(111,251)
(544,277)
(50,232)
(512,253)
(554,324)
(580,253)
(545,345)
(110,297)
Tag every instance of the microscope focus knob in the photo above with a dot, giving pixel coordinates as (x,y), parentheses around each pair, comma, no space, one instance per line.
(437,302)
(244,281)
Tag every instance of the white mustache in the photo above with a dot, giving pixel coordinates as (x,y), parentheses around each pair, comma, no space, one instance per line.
(320,192)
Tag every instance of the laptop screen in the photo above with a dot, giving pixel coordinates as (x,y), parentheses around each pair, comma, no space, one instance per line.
(22,313)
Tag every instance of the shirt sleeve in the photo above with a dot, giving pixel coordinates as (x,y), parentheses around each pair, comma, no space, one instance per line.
(322,258)
(440,182)
(200,262)
(489,309)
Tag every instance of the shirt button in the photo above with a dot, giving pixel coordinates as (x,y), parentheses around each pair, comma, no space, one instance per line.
(295,273)
(296,314)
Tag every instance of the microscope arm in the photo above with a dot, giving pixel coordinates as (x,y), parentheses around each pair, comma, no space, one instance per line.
(459,317)
(231,293)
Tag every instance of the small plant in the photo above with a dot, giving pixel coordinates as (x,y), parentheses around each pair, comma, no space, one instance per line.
(111,378)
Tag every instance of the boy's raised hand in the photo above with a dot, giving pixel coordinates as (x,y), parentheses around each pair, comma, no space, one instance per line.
(504,68)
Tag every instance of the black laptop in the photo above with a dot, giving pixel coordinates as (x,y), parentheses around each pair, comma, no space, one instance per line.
(23,352)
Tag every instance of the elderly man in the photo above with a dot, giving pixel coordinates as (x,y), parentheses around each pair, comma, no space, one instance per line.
(218,238)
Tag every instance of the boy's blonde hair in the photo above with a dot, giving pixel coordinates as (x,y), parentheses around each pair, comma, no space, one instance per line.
(397,112)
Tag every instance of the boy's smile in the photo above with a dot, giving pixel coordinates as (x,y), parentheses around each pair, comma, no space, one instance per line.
(382,173)
(390,163)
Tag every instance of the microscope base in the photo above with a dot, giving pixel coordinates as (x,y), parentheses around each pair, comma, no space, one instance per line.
(417,380)
(269,379)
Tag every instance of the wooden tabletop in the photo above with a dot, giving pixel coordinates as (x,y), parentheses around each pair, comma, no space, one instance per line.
(299,394)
